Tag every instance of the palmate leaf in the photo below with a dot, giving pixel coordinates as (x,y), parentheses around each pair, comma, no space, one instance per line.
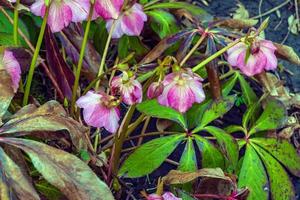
(63,170)
(228,147)
(149,156)
(152,108)
(283,151)
(188,161)
(273,117)
(13,183)
(211,157)
(248,93)
(253,175)
(280,184)
(49,117)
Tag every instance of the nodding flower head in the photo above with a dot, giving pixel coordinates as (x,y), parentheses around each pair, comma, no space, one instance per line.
(62,12)
(253,58)
(10,64)
(100,110)
(181,90)
(130,22)
(128,87)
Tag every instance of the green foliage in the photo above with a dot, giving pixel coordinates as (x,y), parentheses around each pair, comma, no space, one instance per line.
(188,160)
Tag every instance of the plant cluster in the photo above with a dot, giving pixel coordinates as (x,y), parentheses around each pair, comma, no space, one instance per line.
(129,85)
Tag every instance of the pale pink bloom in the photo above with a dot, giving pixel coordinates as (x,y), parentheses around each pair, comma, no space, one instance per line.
(62,12)
(99,110)
(262,57)
(130,22)
(108,9)
(12,1)
(155,89)
(170,196)
(129,88)
(181,91)
(165,196)
(12,67)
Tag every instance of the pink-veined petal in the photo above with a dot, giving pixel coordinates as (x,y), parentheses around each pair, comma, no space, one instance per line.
(13,68)
(80,9)
(108,9)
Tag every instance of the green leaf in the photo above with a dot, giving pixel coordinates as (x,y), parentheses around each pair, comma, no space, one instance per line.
(6,93)
(63,170)
(280,184)
(273,117)
(229,84)
(123,46)
(149,156)
(163,23)
(195,113)
(283,151)
(14,181)
(153,109)
(210,155)
(188,161)
(49,117)
(248,93)
(253,175)
(6,39)
(251,114)
(216,110)
(228,147)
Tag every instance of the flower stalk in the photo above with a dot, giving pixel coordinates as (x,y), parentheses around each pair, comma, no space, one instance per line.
(16,22)
(213,78)
(81,57)
(35,57)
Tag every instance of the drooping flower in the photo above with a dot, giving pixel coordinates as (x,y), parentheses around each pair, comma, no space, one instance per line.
(12,67)
(165,196)
(62,12)
(181,91)
(261,57)
(130,22)
(129,88)
(108,9)
(155,89)
(100,110)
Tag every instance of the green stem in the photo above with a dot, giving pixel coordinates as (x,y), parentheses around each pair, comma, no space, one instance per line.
(102,63)
(81,56)
(34,58)
(16,22)
(214,56)
(203,36)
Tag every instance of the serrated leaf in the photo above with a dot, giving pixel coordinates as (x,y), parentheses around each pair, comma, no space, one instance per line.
(228,146)
(273,117)
(149,156)
(216,110)
(283,151)
(188,161)
(14,180)
(253,175)
(154,109)
(63,170)
(280,184)
(211,157)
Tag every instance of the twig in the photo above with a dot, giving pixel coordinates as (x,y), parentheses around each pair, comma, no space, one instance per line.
(272,10)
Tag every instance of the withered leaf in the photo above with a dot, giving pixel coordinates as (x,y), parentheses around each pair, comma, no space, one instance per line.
(6,93)
(287,53)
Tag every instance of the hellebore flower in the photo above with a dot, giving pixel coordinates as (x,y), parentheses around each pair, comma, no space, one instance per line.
(262,57)
(62,12)
(165,196)
(108,9)
(181,91)
(9,63)
(131,22)
(100,110)
(129,88)
(155,89)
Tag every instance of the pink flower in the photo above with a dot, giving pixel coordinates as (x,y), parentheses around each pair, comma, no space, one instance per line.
(129,88)
(181,91)
(262,57)
(165,196)
(62,12)
(131,22)
(100,110)
(12,66)
(108,9)
(154,90)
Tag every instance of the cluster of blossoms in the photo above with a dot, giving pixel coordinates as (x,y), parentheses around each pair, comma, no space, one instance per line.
(128,20)
(10,64)
(253,58)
